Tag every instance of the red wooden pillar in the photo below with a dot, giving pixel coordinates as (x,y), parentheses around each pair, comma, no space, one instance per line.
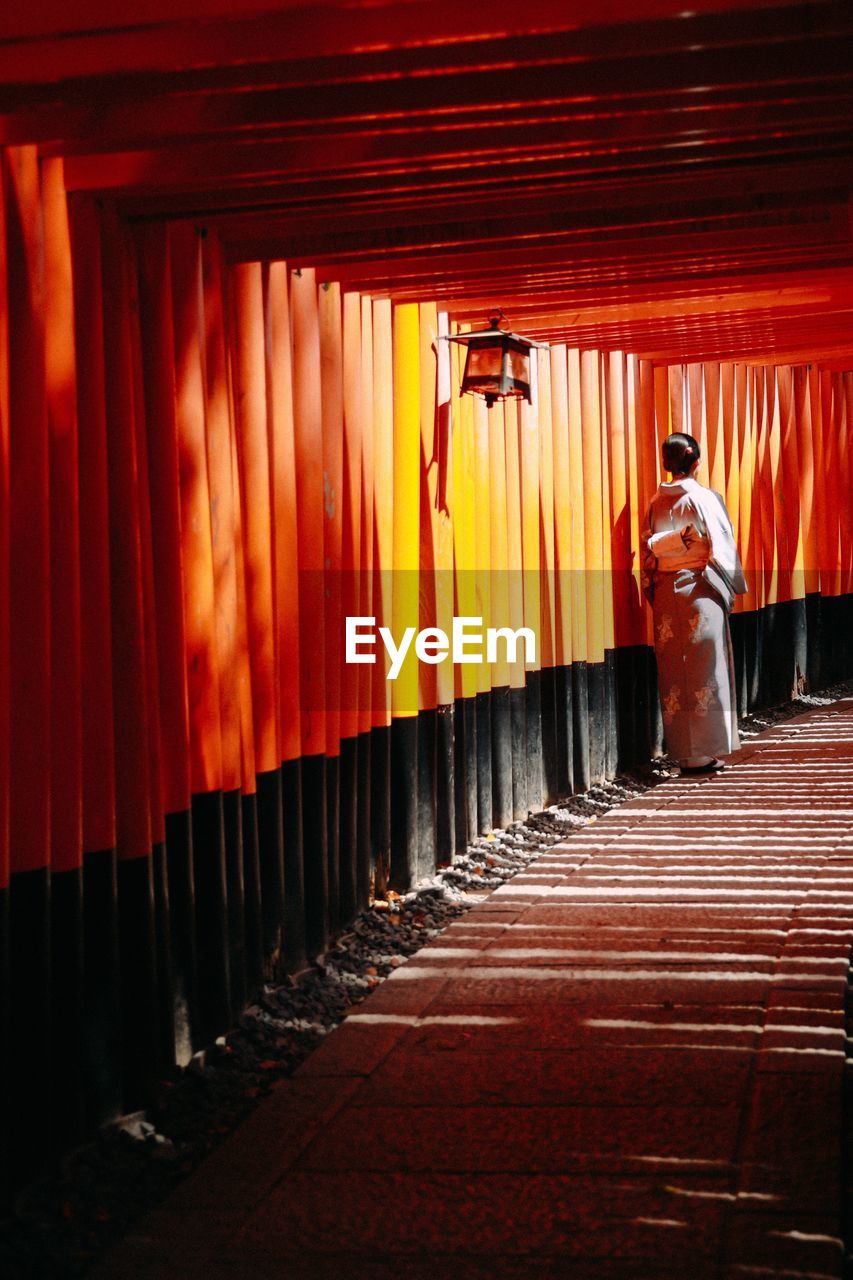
(249,372)
(159,871)
(531,550)
(843,405)
(100,902)
(279,373)
(202,657)
(755,567)
(382,577)
(405,562)
(251,853)
(137,954)
(792,517)
(594,560)
(332,407)
(805,384)
(308,436)
(367,754)
(29,653)
(607,576)
(564,656)
(4,670)
(240,816)
(620,673)
(66,725)
(547,593)
(158,371)
(351,798)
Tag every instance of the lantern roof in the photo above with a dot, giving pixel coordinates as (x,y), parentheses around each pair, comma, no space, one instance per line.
(483,335)
(494,330)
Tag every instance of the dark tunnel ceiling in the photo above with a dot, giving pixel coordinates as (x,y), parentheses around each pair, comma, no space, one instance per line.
(623,175)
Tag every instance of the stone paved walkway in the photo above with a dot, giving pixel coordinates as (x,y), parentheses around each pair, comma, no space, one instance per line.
(625,1063)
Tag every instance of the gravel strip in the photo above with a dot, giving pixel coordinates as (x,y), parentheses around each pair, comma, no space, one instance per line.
(61,1224)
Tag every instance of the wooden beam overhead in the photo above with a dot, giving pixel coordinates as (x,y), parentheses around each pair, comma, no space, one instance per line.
(616,170)
(50,40)
(151,110)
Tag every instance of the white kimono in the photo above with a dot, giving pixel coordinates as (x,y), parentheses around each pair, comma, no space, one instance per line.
(692,591)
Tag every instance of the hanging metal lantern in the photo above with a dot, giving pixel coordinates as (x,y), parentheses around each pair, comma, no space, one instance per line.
(497,362)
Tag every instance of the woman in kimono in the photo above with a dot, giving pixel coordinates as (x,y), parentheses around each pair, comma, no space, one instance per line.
(691,575)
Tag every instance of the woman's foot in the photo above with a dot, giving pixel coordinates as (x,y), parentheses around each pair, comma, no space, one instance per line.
(710,766)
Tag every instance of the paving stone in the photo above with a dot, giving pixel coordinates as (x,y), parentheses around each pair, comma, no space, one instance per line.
(242,1169)
(491,986)
(581,1218)
(805,1245)
(356,1048)
(622,1077)
(495,1028)
(661,1142)
(412,996)
(787,998)
(825,1018)
(792,1141)
(455,1266)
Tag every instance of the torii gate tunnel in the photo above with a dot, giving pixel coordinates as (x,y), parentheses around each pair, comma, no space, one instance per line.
(230,245)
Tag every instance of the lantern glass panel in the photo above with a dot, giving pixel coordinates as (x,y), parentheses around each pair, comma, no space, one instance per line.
(484,362)
(519,365)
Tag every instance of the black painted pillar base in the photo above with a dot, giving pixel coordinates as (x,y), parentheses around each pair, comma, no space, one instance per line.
(580,712)
(232,819)
(482,703)
(163,953)
(563,704)
(293,951)
(754,649)
(333,825)
(466,772)
(629,705)
(597,715)
(6,1094)
(518,730)
(502,801)
(348,829)
(535,777)
(179,875)
(271,858)
(404,802)
(547,703)
(800,647)
(737,628)
(252,913)
(102,999)
(364,815)
(652,709)
(29,1052)
(836,648)
(211,903)
(315,853)
(777,643)
(445,784)
(67,1007)
(138,969)
(611,729)
(426,758)
(380,808)
(814,628)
